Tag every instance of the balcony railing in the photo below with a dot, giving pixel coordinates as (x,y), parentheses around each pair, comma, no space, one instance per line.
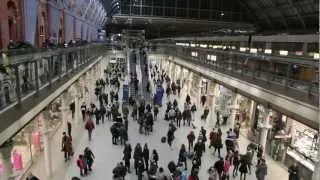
(237,65)
(24,75)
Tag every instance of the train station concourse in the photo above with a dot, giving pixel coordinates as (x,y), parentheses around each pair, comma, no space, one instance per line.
(159,90)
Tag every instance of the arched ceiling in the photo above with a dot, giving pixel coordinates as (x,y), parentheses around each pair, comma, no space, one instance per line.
(284,15)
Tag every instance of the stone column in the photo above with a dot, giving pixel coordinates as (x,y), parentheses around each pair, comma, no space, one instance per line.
(234,108)
(47,146)
(263,124)
(64,111)
(77,105)
(189,81)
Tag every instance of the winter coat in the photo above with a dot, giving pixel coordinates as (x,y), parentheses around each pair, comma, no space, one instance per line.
(191,137)
(219,166)
(182,155)
(293,173)
(127,152)
(146,154)
(261,171)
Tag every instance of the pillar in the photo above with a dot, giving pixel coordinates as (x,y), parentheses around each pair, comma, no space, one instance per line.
(263,124)
(212,92)
(47,146)
(64,111)
(235,107)
(189,81)
(77,105)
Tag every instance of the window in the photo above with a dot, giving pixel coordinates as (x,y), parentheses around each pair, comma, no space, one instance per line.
(194,54)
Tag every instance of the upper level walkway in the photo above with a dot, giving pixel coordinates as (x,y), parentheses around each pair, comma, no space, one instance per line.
(262,87)
(29,81)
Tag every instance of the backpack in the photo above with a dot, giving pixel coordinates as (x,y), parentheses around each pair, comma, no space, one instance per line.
(163,139)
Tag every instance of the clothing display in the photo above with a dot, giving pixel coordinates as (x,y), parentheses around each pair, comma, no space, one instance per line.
(304,144)
(16,160)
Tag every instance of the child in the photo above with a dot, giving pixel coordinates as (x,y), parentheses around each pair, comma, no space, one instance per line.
(82,166)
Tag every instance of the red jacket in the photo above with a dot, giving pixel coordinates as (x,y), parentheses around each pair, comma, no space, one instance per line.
(89,125)
(80,163)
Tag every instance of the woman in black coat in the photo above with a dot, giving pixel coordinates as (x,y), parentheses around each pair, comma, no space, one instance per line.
(127,156)
(183,156)
(89,157)
(137,155)
(146,156)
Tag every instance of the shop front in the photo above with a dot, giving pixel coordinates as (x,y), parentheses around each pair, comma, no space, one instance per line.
(23,149)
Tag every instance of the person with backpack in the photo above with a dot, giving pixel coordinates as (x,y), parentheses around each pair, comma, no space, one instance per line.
(217,144)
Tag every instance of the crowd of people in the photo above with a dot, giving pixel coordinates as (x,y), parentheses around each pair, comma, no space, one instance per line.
(145,159)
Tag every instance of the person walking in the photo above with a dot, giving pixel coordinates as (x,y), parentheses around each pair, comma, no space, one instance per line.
(127,156)
(137,156)
(261,170)
(183,156)
(217,141)
(178,117)
(66,146)
(103,112)
(155,156)
(146,156)
(236,162)
(191,138)
(243,169)
(170,134)
(82,165)
(219,166)
(89,158)
(89,126)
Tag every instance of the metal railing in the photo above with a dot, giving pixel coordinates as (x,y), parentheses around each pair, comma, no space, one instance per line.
(25,75)
(306,91)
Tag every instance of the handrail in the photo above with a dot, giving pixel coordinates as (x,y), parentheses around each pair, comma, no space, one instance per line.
(265,57)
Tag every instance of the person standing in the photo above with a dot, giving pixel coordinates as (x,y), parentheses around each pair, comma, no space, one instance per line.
(66,146)
(89,158)
(294,172)
(261,170)
(89,127)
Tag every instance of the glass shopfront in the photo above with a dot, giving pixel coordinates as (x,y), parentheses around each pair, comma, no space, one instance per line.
(24,148)
(290,141)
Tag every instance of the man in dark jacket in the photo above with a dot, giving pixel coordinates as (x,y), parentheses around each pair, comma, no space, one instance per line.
(294,172)
(127,156)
